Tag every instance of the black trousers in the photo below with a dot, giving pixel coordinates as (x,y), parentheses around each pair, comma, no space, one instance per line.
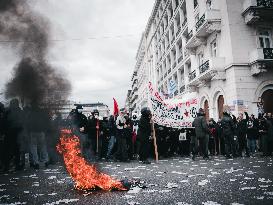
(121,153)
(144,148)
(11,148)
(229,145)
(242,144)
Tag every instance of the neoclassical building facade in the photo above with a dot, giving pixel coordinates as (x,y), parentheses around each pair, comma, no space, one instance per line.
(221,50)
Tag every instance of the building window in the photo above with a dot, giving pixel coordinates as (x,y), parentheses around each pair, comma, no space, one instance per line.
(196,18)
(209,4)
(264,39)
(201,58)
(213,47)
(195,3)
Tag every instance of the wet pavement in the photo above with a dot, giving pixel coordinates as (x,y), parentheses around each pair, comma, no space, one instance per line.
(176,180)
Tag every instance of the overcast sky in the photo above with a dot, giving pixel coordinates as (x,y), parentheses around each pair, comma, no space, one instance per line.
(99,69)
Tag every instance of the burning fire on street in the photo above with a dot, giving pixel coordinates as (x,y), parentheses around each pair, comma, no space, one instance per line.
(85,175)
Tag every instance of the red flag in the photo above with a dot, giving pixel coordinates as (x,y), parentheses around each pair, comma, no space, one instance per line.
(116,109)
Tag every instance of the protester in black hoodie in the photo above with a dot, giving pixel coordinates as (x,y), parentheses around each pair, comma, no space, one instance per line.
(144,134)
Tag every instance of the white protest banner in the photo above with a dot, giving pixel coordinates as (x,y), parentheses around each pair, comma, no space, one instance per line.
(177,115)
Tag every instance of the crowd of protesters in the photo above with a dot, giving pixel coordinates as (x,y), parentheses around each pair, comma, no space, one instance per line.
(33,132)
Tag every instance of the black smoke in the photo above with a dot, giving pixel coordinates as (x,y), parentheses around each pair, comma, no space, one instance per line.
(34,80)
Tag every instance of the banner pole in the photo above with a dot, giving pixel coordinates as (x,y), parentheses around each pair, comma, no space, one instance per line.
(155,143)
(97,137)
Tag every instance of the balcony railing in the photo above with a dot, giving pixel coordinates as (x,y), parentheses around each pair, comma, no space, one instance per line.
(265,3)
(180,58)
(184,22)
(268,53)
(178,30)
(200,22)
(174,64)
(204,67)
(192,75)
(182,89)
(189,36)
(173,38)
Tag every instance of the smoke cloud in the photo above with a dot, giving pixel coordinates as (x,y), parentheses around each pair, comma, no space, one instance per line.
(34,79)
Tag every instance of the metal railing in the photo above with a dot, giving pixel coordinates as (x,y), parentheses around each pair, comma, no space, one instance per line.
(184,22)
(178,30)
(192,75)
(189,36)
(200,22)
(268,53)
(204,67)
(180,58)
(265,3)
(182,89)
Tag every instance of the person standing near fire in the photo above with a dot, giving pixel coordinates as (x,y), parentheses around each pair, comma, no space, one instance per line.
(94,133)
(38,126)
(79,127)
(121,153)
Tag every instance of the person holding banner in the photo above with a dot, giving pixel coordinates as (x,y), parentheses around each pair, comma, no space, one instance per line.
(144,133)
(201,134)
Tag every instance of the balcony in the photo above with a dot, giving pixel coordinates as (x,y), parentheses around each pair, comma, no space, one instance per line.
(212,69)
(178,30)
(182,89)
(180,58)
(173,65)
(261,60)
(257,11)
(209,22)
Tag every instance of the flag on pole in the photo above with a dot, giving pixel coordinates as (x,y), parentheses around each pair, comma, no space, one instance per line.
(116,109)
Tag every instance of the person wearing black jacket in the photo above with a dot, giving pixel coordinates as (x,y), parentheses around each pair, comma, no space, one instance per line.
(228,134)
(13,126)
(2,113)
(241,132)
(201,134)
(38,124)
(94,128)
(112,136)
(252,133)
(144,134)
(79,127)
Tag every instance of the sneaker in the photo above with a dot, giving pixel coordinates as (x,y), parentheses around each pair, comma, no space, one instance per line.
(146,162)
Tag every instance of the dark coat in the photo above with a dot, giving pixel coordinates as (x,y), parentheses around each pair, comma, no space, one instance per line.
(201,126)
(144,128)
(227,125)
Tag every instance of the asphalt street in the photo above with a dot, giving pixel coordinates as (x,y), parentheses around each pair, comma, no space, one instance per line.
(176,180)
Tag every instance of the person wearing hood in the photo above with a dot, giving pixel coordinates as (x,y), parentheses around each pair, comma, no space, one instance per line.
(79,127)
(228,134)
(144,133)
(201,134)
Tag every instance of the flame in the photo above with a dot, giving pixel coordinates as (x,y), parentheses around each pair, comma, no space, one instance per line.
(85,175)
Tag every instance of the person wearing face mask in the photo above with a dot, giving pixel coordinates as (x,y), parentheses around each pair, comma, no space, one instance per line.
(144,133)
(79,127)
(121,153)
(94,131)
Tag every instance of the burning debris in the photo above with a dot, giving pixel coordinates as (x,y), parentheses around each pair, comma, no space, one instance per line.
(34,81)
(85,175)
